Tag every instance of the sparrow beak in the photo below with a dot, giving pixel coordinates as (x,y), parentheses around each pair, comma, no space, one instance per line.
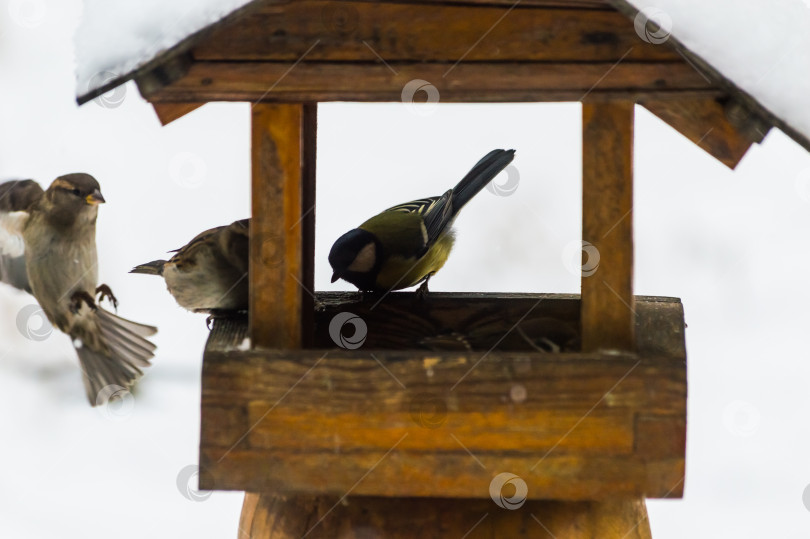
(95,198)
(335,276)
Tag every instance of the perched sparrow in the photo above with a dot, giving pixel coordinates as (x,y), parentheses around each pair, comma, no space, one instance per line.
(52,237)
(209,273)
(406,244)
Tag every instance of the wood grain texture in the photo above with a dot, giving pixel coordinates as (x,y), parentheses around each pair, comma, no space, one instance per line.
(154,72)
(706,123)
(251,517)
(172,67)
(169,112)
(359,517)
(278,241)
(574,426)
(276,236)
(608,311)
(756,114)
(454,321)
(467,82)
(366,31)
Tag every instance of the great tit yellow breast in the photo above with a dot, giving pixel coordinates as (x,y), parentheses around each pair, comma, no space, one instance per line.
(399,272)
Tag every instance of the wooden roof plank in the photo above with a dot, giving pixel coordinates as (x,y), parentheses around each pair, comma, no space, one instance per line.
(752,110)
(466,82)
(358,31)
(706,123)
(536,34)
(169,112)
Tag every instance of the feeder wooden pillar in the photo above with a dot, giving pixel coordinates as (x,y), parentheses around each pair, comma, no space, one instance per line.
(608,311)
(282,252)
(282,230)
(607,314)
(282,245)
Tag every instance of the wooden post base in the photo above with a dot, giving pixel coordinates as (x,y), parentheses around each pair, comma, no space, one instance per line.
(266,516)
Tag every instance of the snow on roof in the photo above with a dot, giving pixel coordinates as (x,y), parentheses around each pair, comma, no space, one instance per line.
(761,47)
(116,37)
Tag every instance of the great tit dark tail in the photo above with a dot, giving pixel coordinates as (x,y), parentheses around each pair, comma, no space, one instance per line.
(445,208)
(154,267)
(481,174)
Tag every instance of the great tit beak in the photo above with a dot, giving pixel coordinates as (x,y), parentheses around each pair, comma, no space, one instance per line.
(95,198)
(335,276)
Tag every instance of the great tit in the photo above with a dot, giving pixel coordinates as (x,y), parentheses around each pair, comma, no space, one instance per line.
(407,244)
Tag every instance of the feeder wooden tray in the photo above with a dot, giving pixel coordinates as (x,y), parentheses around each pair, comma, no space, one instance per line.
(443,395)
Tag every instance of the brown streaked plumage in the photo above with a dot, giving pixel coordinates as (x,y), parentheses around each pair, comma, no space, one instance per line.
(209,273)
(57,229)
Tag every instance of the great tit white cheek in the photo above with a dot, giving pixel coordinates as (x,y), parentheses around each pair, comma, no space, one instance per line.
(365,259)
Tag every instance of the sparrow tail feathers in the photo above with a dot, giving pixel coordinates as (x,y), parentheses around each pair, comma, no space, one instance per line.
(128,352)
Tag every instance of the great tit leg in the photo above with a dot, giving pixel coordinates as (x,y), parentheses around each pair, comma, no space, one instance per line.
(81,296)
(104,292)
(422,291)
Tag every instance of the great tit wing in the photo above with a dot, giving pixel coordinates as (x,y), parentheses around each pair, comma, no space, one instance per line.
(420,206)
(402,233)
(433,210)
(437,213)
(16,199)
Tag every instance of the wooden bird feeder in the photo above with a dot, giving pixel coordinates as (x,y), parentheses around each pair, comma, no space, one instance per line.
(584,399)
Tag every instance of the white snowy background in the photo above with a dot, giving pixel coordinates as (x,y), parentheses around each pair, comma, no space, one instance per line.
(732,245)
(151,26)
(762,47)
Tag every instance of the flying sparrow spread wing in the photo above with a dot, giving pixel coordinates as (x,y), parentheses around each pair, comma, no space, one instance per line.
(16,198)
(48,248)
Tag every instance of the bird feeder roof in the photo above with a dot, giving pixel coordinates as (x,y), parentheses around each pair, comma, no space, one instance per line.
(752,58)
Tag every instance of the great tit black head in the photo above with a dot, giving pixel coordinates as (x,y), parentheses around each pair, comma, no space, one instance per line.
(355,258)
